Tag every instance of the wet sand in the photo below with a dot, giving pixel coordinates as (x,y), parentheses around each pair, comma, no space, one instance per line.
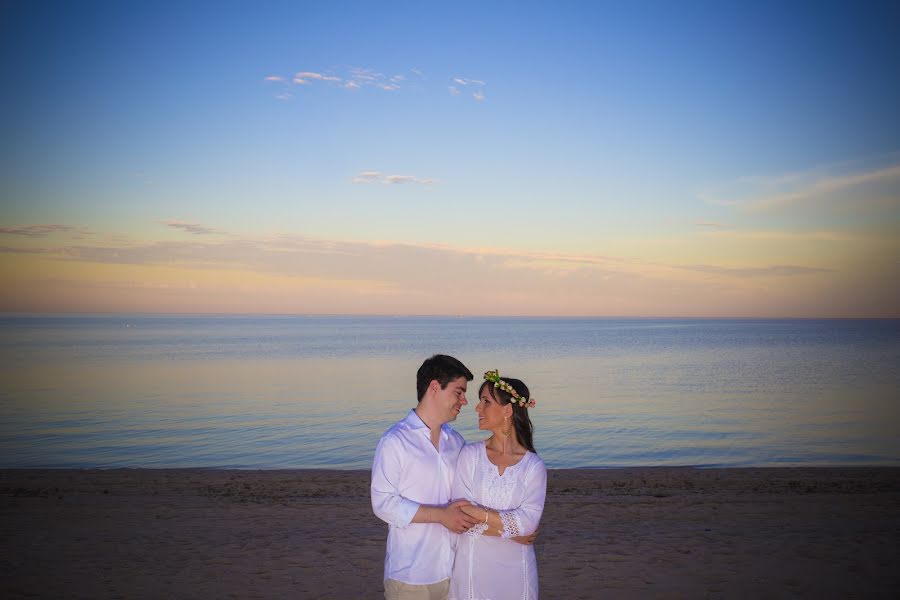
(620,533)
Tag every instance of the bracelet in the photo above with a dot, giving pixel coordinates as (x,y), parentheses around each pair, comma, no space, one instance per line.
(485,516)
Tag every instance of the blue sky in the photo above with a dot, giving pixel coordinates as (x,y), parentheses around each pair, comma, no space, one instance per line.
(731,158)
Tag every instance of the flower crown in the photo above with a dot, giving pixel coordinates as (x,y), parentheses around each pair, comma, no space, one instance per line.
(494,377)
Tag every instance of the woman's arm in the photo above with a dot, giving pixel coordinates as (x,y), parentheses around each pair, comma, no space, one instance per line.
(485,515)
(477,512)
(522,520)
(489,517)
(462,487)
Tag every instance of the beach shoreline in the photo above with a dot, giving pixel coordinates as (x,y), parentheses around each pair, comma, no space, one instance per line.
(653,532)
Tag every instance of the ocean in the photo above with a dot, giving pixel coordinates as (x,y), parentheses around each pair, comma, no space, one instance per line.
(276,392)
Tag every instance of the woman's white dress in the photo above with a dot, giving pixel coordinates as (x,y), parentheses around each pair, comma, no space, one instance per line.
(496,568)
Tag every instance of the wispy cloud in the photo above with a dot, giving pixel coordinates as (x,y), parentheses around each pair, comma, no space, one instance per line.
(278,253)
(845,182)
(367,177)
(767,271)
(356,78)
(28,250)
(712,225)
(42,230)
(194,228)
(363,74)
(284,272)
(797,236)
(348,78)
(379,177)
(360,77)
(258,251)
(462,82)
(280,84)
(143,177)
(400,179)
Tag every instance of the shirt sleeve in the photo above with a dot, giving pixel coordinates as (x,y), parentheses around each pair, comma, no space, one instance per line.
(524,519)
(387,503)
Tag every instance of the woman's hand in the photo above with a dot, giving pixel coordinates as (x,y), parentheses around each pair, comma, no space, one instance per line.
(525,540)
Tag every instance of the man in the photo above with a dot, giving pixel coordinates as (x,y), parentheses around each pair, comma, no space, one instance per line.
(414,465)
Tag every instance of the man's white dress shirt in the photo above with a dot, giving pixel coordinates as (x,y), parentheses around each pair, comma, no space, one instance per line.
(407,472)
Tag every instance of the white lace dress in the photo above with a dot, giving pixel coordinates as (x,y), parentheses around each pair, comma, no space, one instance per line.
(496,568)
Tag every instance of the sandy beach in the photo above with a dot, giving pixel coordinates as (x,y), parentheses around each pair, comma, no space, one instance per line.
(620,533)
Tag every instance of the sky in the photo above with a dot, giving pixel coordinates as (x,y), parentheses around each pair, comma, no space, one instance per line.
(690,159)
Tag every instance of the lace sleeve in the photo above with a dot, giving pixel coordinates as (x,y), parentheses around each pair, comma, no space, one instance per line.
(511,525)
(524,519)
(477,530)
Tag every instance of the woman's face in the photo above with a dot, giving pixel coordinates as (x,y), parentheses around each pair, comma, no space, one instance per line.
(490,413)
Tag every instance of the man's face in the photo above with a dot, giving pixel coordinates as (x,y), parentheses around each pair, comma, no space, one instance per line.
(452,398)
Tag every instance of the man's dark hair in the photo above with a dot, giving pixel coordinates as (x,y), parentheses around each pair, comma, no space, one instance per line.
(440,368)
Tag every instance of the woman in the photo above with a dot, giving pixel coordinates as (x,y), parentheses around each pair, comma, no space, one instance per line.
(506,482)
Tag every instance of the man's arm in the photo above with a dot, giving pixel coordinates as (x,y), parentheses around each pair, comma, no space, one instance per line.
(451,516)
(387,503)
(393,508)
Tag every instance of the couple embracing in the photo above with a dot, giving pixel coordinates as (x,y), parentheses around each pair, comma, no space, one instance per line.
(461,518)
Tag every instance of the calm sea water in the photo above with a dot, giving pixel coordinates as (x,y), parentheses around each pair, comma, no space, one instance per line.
(292,392)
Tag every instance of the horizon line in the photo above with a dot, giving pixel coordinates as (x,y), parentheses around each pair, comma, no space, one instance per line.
(15,313)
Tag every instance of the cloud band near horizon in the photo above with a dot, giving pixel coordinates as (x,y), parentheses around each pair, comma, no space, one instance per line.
(295,273)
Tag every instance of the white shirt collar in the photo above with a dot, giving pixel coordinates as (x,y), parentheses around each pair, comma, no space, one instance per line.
(414,421)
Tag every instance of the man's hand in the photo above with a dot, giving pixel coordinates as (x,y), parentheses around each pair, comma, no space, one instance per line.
(455,519)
